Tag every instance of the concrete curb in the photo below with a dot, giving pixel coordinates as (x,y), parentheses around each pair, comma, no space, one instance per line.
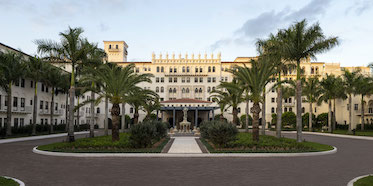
(11,140)
(351,183)
(16,180)
(337,135)
(174,155)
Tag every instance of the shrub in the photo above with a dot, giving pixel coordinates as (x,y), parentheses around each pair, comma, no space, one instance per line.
(305,119)
(366,127)
(322,120)
(243,120)
(217,117)
(274,119)
(220,133)
(146,133)
(288,118)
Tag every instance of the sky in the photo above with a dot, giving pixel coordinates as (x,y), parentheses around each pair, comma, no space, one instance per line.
(190,26)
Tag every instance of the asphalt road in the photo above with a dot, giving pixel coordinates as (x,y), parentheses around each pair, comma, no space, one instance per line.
(354,158)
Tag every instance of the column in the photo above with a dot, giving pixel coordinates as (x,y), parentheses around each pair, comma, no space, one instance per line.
(213,115)
(173,121)
(208,115)
(196,119)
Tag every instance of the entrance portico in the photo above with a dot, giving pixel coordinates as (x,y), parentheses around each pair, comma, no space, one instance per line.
(198,111)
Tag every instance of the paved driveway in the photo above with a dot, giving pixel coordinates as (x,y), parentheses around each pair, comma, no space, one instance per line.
(354,158)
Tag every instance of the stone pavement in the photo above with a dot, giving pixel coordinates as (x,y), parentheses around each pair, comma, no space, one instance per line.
(185,145)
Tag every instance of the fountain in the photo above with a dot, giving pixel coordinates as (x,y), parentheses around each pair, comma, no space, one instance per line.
(185,124)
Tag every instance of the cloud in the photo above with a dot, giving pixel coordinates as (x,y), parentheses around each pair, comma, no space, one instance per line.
(103,27)
(359,7)
(267,22)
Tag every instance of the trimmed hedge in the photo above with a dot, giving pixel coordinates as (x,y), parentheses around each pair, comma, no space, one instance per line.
(218,132)
(145,134)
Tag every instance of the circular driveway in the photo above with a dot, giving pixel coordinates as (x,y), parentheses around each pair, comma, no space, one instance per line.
(354,158)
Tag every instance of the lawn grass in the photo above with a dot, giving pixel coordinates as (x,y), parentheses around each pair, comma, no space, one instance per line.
(366,181)
(102,144)
(357,132)
(267,144)
(7,182)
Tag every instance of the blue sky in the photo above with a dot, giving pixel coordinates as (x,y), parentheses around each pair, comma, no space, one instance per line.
(193,26)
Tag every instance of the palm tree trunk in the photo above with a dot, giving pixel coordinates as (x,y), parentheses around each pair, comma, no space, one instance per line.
(334,116)
(35,110)
(106,116)
(70,134)
(221,115)
(92,123)
(330,116)
(362,112)
(78,115)
(255,110)
(136,116)
(349,113)
(247,116)
(279,111)
(52,109)
(67,121)
(310,118)
(299,104)
(235,117)
(115,111)
(9,112)
(264,112)
(123,115)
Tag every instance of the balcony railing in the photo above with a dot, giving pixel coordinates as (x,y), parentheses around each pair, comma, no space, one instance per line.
(19,110)
(90,115)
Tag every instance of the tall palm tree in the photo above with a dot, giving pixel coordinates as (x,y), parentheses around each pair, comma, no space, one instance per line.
(12,68)
(52,77)
(35,69)
(311,90)
(272,49)
(257,77)
(138,99)
(220,99)
(339,94)
(233,96)
(327,94)
(150,105)
(118,83)
(363,87)
(71,50)
(300,43)
(350,79)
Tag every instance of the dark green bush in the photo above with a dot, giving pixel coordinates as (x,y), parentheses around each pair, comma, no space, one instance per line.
(220,133)
(288,118)
(305,119)
(274,119)
(322,120)
(217,117)
(145,134)
(243,120)
(366,126)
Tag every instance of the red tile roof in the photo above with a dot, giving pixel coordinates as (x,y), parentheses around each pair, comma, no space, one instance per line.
(185,100)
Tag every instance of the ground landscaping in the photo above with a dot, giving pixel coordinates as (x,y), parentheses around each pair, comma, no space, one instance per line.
(7,182)
(366,181)
(220,137)
(357,132)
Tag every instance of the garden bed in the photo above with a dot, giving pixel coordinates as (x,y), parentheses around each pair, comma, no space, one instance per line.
(357,132)
(7,182)
(267,144)
(366,181)
(103,144)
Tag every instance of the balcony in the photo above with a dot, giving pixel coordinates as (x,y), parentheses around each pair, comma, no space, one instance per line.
(96,115)
(17,110)
(292,104)
(113,49)
(180,74)
(58,112)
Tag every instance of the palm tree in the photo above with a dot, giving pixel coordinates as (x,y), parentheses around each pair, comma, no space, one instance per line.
(311,90)
(220,99)
(350,79)
(150,105)
(271,48)
(327,94)
(12,69)
(71,50)
(256,77)
(339,94)
(35,68)
(363,87)
(138,99)
(52,77)
(233,96)
(118,83)
(300,43)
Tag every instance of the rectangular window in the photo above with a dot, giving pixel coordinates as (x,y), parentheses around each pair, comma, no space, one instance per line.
(32,84)
(356,106)
(30,101)
(17,83)
(175,70)
(56,106)
(214,79)
(157,79)
(15,102)
(272,110)
(201,79)
(188,80)
(290,109)
(170,79)
(209,79)
(46,121)
(23,100)
(175,79)
(46,105)
(273,100)
(21,122)
(170,70)
(23,83)
(41,121)
(196,69)
(131,110)
(15,122)
(42,87)
(41,105)
(183,79)
(196,80)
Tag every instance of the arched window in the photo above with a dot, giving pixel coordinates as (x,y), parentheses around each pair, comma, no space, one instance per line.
(208,89)
(196,90)
(213,69)
(157,89)
(213,88)
(170,90)
(312,70)
(174,90)
(183,90)
(162,89)
(187,69)
(200,69)
(209,69)
(98,110)
(175,70)
(183,69)
(157,69)
(196,69)
(187,90)
(317,70)
(162,69)
(200,90)
(109,46)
